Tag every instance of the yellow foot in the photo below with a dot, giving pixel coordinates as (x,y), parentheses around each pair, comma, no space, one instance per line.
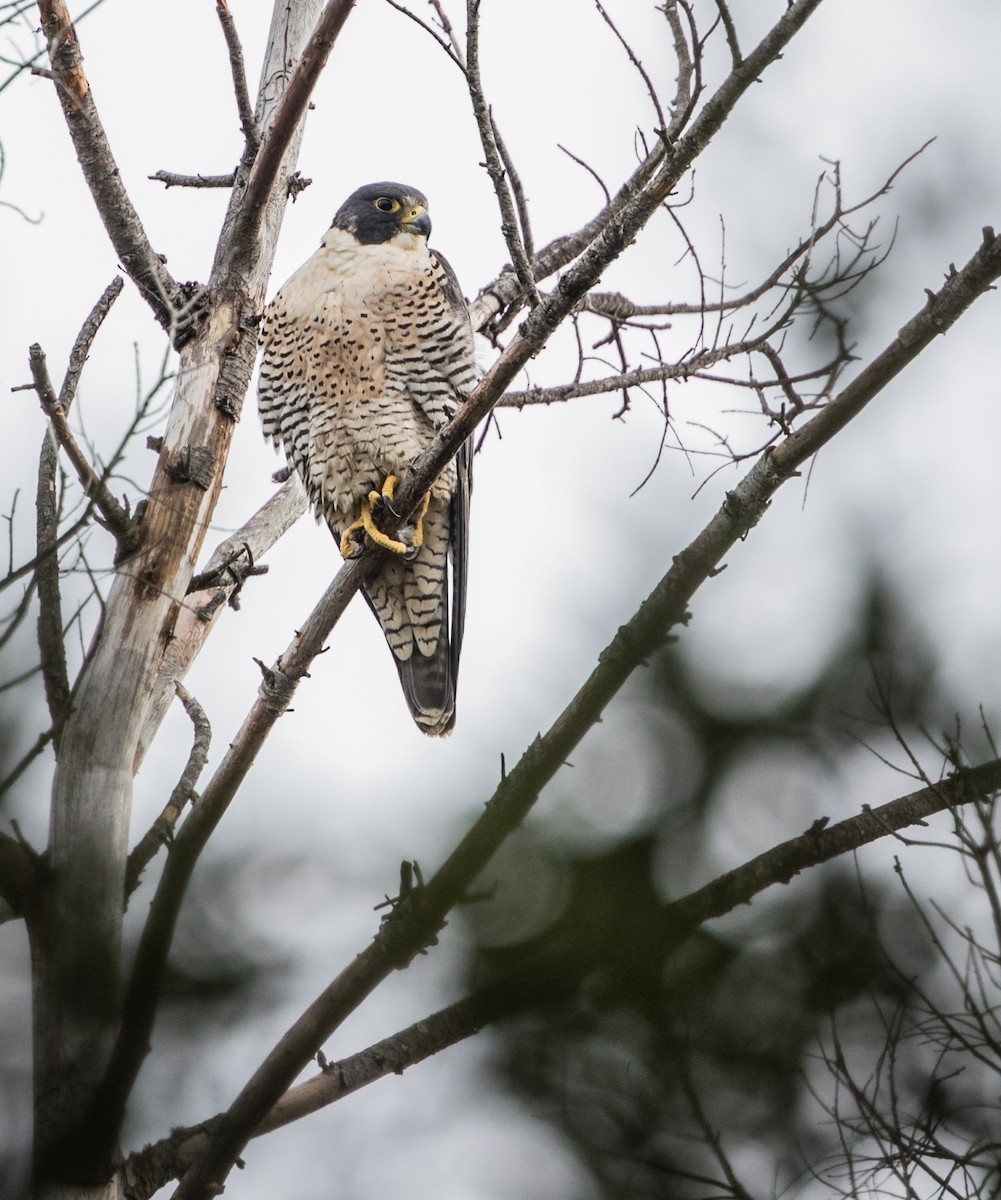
(352,540)
(411,537)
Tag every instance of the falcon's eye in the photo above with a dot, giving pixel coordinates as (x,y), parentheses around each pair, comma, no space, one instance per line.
(386,204)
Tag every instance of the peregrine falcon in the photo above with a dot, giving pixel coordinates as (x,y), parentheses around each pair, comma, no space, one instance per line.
(368,352)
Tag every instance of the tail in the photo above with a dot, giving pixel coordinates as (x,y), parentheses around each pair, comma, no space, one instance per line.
(429,688)
(410,600)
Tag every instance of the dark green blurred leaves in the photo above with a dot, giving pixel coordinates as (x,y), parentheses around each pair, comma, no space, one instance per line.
(681,1069)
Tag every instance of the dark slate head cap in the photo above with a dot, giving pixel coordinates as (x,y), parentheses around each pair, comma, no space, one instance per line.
(378,211)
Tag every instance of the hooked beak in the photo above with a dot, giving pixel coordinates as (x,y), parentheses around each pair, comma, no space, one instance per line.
(418,221)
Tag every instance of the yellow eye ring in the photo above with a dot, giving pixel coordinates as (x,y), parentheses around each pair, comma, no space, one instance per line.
(386,204)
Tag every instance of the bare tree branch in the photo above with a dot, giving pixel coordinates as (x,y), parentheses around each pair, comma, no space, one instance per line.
(162,829)
(51,641)
(29,62)
(27,759)
(84,341)
(731,31)
(171,179)
(287,115)
(217,583)
(116,518)
(156,1165)
(144,266)
(51,645)
(494,160)
(686,93)
(248,120)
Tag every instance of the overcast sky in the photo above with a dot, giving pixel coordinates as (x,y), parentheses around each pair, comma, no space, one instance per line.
(562,552)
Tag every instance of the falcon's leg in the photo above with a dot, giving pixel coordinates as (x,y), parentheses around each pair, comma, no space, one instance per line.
(411,537)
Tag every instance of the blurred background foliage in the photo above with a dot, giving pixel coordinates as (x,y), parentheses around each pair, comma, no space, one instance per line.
(762,1056)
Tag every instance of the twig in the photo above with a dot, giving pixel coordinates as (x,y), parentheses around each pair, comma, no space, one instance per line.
(285,119)
(196,620)
(687,369)
(84,341)
(162,829)
(450,47)
(731,31)
(415,922)
(248,121)
(27,759)
(684,94)
(51,646)
(171,179)
(144,266)
(29,567)
(118,521)
(494,161)
(651,90)
(517,190)
(590,170)
(51,636)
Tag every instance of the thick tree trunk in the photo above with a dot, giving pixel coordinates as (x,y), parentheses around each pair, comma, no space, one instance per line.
(76,927)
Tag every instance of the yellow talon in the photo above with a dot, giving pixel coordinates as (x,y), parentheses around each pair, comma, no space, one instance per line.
(418,539)
(350,539)
(366,522)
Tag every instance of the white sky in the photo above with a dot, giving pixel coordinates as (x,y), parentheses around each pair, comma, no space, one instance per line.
(560,554)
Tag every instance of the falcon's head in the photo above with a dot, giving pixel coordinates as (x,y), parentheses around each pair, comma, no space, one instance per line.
(379,212)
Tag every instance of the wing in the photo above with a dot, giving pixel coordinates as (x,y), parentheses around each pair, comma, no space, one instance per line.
(425,600)
(463,376)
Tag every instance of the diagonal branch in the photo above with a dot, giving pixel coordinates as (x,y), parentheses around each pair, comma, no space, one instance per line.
(415,921)
(84,341)
(285,120)
(248,121)
(163,1161)
(212,590)
(51,641)
(117,520)
(494,159)
(144,266)
(162,829)
(20,869)
(51,644)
